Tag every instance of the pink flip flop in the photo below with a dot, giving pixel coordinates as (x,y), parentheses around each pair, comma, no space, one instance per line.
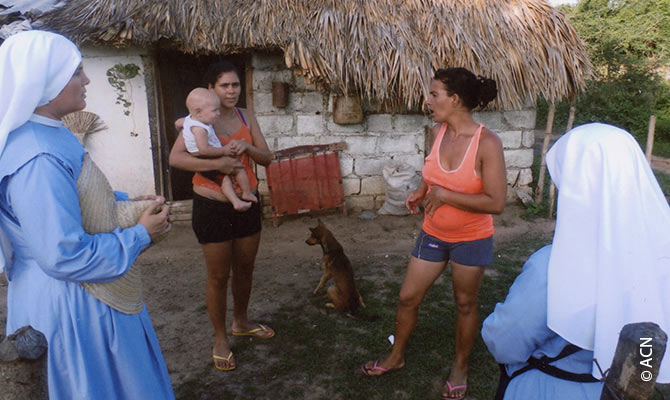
(375,367)
(451,390)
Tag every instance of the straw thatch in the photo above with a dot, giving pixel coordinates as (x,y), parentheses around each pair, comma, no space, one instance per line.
(385,50)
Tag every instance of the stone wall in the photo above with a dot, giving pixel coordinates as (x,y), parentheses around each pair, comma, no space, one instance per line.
(381,137)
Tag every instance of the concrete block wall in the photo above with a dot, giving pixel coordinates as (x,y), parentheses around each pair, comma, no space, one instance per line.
(379,138)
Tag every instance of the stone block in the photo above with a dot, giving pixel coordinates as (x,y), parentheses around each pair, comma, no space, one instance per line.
(510,139)
(263,79)
(519,158)
(397,144)
(379,123)
(267,61)
(310,125)
(528,139)
(415,160)
(379,201)
(260,172)
(345,129)
(263,187)
(368,166)
(410,122)
(493,120)
(351,186)
(524,119)
(275,125)
(292,141)
(302,85)
(358,145)
(525,177)
(263,104)
(373,185)
(512,176)
(346,165)
(309,102)
(360,203)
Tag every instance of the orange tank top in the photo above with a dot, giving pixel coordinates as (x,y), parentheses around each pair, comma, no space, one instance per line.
(449,223)
(243,134)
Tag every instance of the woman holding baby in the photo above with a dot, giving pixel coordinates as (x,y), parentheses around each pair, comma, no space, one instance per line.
(229,238)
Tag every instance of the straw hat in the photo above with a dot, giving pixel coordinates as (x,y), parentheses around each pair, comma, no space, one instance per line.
(101,212)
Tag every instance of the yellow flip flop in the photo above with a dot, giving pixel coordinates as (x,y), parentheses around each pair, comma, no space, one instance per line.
(255,332)
(231,365)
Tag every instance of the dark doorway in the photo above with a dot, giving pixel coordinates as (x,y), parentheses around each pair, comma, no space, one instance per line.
(178,74)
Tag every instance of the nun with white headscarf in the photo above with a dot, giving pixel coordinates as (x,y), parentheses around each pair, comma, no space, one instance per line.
(95,351)
(608,266)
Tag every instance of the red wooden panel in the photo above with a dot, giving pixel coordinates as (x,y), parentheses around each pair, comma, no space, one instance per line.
(313,182)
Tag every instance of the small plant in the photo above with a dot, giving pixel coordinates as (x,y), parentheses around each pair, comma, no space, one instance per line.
(534,210)
(117,77)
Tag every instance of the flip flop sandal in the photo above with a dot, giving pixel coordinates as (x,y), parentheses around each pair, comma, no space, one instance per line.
(230,367)
(376,367)
(255,332)
(451,390)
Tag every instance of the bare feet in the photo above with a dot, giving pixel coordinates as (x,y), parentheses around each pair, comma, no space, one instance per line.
(380,367)
(249,197)
(240,205)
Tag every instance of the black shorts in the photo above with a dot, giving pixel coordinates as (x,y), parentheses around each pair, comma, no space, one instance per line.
(214,221)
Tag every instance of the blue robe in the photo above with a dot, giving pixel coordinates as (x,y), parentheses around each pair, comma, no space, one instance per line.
(517,329)
(95,352)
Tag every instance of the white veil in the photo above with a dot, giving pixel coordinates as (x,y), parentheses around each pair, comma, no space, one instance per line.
(36,66)
(610,261)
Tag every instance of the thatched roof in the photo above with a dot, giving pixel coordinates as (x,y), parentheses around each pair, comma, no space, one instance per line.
(385,49)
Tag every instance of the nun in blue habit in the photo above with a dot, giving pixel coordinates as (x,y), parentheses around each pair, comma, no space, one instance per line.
(608,266)
(95,350)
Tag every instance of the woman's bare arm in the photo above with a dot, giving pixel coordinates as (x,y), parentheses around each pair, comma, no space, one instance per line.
(182,159)
(259,151)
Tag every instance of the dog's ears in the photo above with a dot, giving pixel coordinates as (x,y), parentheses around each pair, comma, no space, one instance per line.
(318,220)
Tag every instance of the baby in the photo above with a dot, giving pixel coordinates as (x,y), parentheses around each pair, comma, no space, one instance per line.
(200,139)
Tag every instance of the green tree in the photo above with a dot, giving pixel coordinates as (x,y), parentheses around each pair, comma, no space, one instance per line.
(629,44)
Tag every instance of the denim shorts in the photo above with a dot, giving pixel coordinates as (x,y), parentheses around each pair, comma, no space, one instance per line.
(476,253)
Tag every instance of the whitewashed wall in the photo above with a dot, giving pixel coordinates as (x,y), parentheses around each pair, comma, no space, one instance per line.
(123,150)
(381,137)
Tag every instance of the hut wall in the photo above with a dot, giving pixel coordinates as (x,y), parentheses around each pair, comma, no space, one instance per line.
(123,149)
(379,138)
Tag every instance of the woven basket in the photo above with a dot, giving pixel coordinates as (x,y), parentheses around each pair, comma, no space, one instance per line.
(100,212)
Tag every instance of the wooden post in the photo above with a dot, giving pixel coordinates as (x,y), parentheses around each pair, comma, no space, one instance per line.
(552,187)
(23,365)
(650,137)
(539,190)
(636,362)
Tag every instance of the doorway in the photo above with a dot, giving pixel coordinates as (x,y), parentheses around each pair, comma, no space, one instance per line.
(178,74)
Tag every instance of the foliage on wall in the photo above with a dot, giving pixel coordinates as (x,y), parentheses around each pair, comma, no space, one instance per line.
(117,77)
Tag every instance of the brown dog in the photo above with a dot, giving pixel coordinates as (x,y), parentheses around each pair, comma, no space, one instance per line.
(343,294)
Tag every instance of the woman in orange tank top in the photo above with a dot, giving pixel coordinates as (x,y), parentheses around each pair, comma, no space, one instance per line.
(221,230)
(464,182)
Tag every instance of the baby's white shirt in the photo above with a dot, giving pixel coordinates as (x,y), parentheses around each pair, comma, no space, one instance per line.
(189,137)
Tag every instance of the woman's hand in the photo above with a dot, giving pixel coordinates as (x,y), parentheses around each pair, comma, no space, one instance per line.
(434,199)
(228,151)
(414,200)
(238,147)
(155,220)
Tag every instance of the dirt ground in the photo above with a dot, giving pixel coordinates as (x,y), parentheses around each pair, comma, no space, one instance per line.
(286,269)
